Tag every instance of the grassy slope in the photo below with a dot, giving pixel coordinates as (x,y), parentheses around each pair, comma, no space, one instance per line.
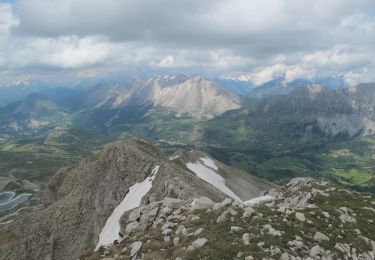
(271,153)
(38,159)
(277,153)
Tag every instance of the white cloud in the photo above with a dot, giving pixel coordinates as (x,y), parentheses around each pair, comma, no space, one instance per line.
(279,70)
(293,38)
(341,57)
(63,52)
(297,72)
(359,21)
(7,20)
(166,62)
(77,53)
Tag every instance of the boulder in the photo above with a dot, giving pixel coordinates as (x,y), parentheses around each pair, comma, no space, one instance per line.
(202,203)
(300,200)
(225,202)
(222,217)
(141,218)
(295,244)
(166,210)
(316,251)
(135,247)
(198,231)
(246,239)
(199,242)
(147,211)
(300,216)
(316,192)
(232,211)
(320,237)
(235,228)
(181,230)
(300,181)
(172,203)
(248,212)
(131,228)
(343,248)
(168,225)
(195,217)
(346,218)
(166,231)
(272,231)
(285,256)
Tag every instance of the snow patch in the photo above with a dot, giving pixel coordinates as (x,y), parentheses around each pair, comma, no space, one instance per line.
(209,162)
(7,222)
(258,200)
(173,157)
(209,175)
(133,198)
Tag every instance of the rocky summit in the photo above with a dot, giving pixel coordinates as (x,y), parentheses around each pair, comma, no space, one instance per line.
(91,204)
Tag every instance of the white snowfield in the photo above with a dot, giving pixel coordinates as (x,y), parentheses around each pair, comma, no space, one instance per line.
(258,200)
(210,163)
(207,173)
(133,198)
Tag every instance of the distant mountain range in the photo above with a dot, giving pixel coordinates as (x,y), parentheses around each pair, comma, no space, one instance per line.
(278,86)
(106,105)
(302,132)
(34,114)
(16,90)
(193,96)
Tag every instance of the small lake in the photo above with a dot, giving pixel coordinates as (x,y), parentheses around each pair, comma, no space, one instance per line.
(8,201)
(6,196)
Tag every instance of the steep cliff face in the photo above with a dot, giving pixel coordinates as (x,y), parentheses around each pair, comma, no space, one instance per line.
(197,97)
(347,111)
(82,199)
(193,96)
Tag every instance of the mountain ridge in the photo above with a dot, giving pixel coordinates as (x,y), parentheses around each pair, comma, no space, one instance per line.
(181,94)
(81,197)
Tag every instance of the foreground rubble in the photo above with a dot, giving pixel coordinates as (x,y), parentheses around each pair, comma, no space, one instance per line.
(306,220)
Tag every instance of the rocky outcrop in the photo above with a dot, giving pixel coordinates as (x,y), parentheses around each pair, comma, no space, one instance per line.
(274,230)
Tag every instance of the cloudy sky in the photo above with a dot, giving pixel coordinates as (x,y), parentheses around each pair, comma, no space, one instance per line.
(262,38)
